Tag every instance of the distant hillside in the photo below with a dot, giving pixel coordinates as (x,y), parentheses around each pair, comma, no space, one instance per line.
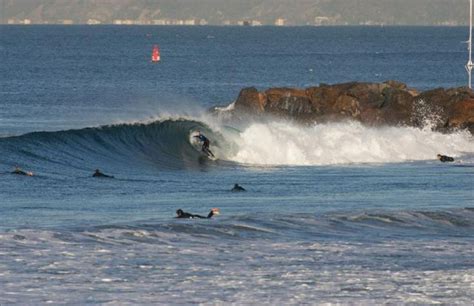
(289,12)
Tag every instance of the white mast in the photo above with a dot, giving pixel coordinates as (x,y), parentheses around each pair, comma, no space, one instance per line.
(469,64)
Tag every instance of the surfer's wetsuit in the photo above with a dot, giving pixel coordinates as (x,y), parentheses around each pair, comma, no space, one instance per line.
(445,158)
(18,171)
(97,173)
(182,214)
(205,143)
(238,188)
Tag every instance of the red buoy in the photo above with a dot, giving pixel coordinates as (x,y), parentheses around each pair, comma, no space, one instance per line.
(155,55)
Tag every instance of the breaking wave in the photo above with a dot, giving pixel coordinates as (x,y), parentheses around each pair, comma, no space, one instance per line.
(280,143)
(448,222)
(168,144)
(165,144)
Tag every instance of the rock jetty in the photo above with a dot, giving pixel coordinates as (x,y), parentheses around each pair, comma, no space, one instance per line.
(375,104)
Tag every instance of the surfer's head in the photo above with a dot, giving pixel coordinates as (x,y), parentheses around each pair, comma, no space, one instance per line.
(179,212)
(215,212)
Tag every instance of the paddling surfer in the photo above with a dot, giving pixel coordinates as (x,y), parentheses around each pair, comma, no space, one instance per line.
(445,158)
(18,171)
(185,215)
(97,173)
(237,188)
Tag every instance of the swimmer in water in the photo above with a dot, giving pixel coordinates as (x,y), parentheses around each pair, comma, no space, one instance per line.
(237,188)
(182,214)
(445,158)
(97,173)
(18,171)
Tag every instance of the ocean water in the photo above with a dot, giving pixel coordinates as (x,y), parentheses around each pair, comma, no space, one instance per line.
(334,213)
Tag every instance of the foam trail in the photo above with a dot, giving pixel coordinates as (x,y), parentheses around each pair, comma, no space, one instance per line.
(283,143)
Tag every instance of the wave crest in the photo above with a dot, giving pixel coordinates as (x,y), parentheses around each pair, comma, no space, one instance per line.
(162,144)
(282,143)
(168,144)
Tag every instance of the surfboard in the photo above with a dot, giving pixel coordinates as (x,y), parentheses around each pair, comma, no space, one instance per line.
(208,153)
(213,158)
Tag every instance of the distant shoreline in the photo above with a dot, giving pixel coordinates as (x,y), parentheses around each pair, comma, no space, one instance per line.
(234,26)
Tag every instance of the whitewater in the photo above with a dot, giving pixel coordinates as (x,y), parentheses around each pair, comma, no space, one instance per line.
(282,143)
(334,213)
(171,141)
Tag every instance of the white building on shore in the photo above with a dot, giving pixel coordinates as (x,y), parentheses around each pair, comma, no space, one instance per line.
(280,22)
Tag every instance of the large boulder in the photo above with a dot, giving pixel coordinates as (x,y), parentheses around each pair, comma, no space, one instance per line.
(388,103)
(250,101)
(462,116)
(369,95)
(288,102)
(396,108)
(325,96)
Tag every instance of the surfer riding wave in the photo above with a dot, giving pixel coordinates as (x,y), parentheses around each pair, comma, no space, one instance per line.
(205,143)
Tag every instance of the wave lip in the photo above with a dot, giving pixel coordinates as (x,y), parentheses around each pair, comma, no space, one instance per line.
(168,144)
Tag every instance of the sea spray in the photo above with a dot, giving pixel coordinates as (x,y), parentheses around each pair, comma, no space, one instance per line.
(283,143)
(167,143)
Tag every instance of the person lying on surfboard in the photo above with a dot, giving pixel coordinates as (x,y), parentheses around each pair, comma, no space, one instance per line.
(18,171)
(445,158)
(97,173)
(182,214)
(237,188)
(205,143)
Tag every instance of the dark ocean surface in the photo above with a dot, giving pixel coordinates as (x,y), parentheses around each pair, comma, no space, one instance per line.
(333,213)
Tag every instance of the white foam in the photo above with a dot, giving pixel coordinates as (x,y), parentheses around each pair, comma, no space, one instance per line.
(232,272)
(227,108)
(283,143)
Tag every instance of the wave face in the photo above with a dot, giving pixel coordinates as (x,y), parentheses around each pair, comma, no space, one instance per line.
(165,144)
(168,144)
(281,143)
